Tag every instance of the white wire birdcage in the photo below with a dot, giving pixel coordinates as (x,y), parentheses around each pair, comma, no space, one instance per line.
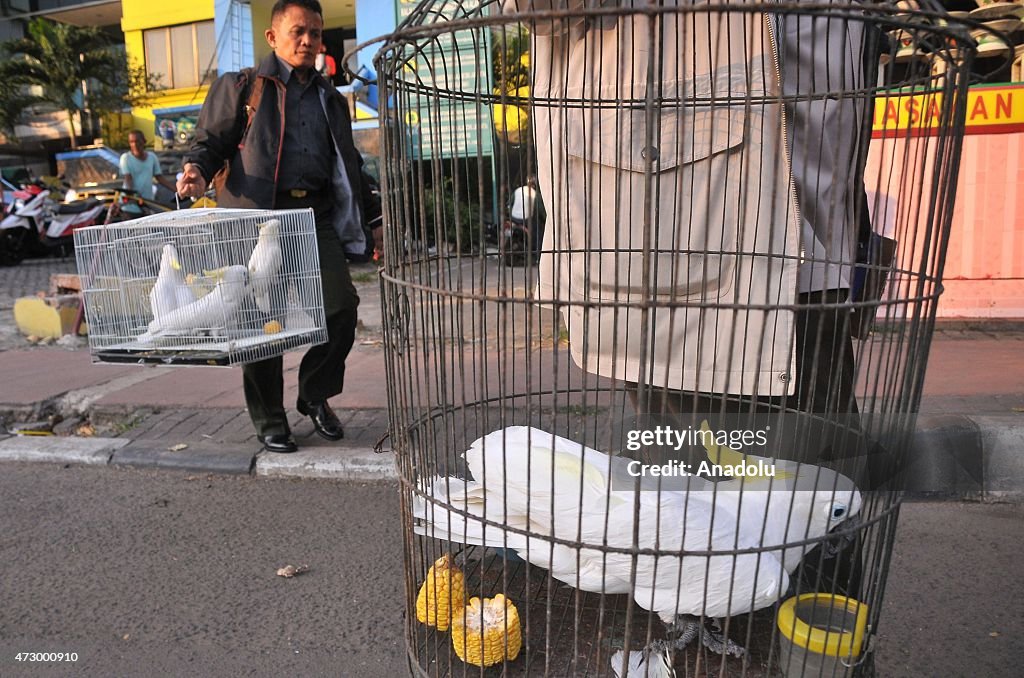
(720,236)
(201,286)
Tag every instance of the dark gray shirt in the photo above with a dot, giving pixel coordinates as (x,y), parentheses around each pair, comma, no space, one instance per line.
(307,153)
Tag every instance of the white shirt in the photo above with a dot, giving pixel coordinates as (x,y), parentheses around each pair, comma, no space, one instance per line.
(524,200)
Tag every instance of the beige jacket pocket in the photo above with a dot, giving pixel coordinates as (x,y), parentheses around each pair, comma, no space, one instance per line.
(659,201)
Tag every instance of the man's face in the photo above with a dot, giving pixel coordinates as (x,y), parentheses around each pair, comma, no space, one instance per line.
(137,145)
(296,36)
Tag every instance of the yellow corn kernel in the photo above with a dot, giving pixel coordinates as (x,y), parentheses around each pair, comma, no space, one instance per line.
(487,633)
(443,591)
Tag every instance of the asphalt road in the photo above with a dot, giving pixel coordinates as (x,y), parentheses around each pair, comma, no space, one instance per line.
(166,574)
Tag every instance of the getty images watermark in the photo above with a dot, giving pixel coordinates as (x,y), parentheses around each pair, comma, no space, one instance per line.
(723,447)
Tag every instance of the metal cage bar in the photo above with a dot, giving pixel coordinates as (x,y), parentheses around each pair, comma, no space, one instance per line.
(745,209)
(201,287)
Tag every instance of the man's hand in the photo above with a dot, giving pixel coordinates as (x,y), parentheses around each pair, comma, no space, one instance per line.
(378,244)
(191,184)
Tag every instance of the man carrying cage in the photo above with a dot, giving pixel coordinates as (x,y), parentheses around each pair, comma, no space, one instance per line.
(278,136)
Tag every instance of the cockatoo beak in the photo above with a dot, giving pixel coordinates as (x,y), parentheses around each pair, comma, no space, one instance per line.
(840,542)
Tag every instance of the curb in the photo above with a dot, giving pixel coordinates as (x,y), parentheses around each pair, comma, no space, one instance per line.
(354,463)
(208,458)
(61,450)
(968,457)
(952,456)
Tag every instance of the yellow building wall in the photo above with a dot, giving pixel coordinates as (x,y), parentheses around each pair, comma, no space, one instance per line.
(140,15)
(260,23)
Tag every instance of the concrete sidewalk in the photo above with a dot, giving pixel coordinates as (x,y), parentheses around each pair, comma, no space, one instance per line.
(187,418)
(970,435)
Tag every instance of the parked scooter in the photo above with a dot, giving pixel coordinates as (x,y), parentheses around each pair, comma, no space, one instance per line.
(23,220)
(66,218)
(35,225)
(123,204)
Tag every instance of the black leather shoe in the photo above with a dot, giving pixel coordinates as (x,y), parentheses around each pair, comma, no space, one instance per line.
(280,443)
(325,421)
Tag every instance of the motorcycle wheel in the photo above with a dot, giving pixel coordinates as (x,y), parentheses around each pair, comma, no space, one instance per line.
(12,252)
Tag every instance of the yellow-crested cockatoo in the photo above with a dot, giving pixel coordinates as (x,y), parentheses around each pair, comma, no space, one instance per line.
(208,314)
(170,291)
(264,263)
(528,485)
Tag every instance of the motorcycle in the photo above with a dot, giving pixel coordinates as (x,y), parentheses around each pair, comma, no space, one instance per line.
(522,229)
(121,204)
(35,225)
(23,220)
(66,218)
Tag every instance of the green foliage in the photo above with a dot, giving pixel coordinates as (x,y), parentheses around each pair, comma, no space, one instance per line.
(128,85)
(510,69)
(57,58)
(453,215)
(13,101)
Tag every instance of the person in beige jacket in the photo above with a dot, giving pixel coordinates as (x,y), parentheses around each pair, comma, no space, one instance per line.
(675,246)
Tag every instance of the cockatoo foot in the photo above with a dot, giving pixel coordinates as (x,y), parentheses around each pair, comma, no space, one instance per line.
(711,636)
(715,640)
(684,631)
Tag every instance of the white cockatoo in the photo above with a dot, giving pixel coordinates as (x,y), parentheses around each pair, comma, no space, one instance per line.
(265,262)
(211,312)
(170,291)
(529,485)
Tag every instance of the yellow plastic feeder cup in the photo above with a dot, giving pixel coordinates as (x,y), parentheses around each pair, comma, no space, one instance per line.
(821,635)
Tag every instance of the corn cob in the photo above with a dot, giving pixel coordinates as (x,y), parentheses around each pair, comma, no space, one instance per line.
(442,592)
(487,633)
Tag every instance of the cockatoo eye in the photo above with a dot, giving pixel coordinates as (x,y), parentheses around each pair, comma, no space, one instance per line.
(838,511)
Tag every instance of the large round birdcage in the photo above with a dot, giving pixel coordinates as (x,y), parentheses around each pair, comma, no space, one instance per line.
(660,280)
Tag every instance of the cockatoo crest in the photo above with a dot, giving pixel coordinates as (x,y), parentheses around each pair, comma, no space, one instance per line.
(726,456)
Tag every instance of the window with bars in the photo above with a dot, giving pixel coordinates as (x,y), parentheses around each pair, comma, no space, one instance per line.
(182,56)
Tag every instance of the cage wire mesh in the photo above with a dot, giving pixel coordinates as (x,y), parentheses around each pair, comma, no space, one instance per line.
(201,286)
(657,310)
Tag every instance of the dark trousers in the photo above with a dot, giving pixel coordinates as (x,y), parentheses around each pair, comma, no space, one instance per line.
(322,370)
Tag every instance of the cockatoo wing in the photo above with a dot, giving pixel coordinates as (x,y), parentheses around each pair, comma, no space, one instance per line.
(214,310)
(531,471)
(643,664)
(716,586)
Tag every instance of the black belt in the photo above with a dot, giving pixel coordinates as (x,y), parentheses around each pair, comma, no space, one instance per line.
(304,194)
